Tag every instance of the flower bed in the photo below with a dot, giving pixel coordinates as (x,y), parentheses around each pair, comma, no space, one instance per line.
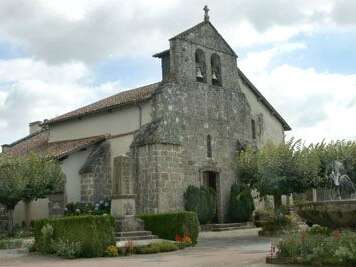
(74,236)
(319,246)
(173,225)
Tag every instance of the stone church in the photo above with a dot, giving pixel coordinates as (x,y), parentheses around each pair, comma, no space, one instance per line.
(143,147)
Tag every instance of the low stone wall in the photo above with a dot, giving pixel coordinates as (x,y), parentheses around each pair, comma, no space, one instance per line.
(334,214)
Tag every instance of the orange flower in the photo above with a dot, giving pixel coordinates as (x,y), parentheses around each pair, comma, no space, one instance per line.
(178,238)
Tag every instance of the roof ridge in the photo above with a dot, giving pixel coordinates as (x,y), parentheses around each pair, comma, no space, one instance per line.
(26,137)
(79,139)
(197,26)
(132,95)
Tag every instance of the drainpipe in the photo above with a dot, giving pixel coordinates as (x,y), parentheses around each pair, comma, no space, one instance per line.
(140,115)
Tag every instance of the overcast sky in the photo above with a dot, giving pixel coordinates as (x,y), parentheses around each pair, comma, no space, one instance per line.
(59,55)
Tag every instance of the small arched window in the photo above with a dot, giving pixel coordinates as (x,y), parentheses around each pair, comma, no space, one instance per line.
(209,152)
(200,66)
(216,70)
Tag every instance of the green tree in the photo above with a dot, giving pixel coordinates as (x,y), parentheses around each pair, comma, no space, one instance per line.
(280,169)
(344,151)
(12,185)
(44,176)
(27,178)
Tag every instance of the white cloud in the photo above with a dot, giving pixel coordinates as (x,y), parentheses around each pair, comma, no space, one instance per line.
(31,90)
(91,30)
(317,105)
(64,37)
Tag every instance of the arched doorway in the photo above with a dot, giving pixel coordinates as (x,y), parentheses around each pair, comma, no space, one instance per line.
(210,179)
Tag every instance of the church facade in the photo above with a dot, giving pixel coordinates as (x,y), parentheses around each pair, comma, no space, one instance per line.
(142,148)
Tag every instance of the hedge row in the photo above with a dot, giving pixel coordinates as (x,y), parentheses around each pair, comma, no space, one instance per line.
(201,200)
(169,225)
(93,233)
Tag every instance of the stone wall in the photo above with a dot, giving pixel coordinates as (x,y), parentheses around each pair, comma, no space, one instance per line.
(96,175)
(160,178)
(172,150)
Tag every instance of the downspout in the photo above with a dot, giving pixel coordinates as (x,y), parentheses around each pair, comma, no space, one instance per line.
(140,115)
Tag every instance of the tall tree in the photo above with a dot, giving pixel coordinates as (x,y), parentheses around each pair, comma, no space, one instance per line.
(280,169)
(12,185)
(27,178)
(44,176)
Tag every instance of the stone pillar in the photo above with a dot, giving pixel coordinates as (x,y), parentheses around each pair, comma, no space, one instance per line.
(122,176)
(123,202)
(123,205)
(315,196)
(56,204)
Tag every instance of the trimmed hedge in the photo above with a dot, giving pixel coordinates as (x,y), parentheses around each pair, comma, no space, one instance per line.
(94,233)
(201,200)
(241,203)
(169,225)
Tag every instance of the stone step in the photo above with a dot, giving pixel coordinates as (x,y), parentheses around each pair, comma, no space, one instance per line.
(226,225)
(133,233)
(220,229)
(144,237)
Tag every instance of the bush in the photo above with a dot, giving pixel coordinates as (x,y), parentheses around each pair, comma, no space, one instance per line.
(94,233)
(202,201)
(310,247)
(66,249)
(169,225)
(241,203)
(274,221)
(81,208)
(112,251)
(11,243)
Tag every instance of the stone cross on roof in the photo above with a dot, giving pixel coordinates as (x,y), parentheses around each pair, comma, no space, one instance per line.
(206,15)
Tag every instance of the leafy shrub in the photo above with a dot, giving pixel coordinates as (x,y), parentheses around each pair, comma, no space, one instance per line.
(112,251)
(94,233)
(202,201)
(274,221)
(157,247)
(241,203)
(319,230)
(80,208)
(66,249)
(309,247)
(168,225)
(10,243)
(45,245)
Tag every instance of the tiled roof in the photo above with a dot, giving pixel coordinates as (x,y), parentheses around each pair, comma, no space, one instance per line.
(127,97)
(38,143)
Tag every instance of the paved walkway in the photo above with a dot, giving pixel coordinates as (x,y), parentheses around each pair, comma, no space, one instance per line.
(237,248)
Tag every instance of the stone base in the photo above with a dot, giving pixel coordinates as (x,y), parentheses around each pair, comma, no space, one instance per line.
(56,204)
(129,223)
(123,205)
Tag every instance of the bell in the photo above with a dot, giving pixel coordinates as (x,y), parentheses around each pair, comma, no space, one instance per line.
(214,76)
(199,73)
